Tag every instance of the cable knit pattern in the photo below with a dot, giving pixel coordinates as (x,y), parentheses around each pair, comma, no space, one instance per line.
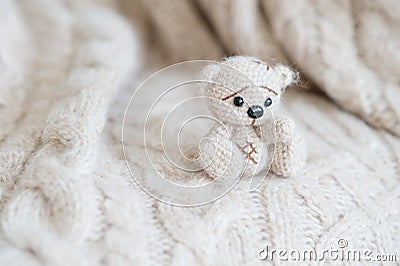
(66,195)
(54,187)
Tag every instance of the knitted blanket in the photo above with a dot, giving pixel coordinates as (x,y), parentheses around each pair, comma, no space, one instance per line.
(68,70)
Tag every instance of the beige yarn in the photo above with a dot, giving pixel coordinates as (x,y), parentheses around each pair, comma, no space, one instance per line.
(254,81)
(66,197)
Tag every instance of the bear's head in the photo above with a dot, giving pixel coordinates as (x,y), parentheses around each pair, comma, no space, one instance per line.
(245,90)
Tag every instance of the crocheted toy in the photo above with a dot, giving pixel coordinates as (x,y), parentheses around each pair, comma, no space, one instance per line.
(244,93)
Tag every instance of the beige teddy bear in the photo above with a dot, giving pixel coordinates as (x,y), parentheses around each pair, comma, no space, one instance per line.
(244,94)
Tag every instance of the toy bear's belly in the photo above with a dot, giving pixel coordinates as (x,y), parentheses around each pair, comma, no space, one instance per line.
(253,149)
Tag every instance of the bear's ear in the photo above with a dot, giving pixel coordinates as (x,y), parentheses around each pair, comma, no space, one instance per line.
(287,75)
(209,72)
(208,75)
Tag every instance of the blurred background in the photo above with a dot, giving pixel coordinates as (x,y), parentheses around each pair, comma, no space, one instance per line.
(348,50)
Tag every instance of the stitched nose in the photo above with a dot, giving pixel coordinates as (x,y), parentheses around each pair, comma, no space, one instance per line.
(255,111)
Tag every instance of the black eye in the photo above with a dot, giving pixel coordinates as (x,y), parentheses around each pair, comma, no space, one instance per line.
(238,101)
(268,102)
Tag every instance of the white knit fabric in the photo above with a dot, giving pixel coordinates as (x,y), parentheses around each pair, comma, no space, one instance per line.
(66,195)
(80,55)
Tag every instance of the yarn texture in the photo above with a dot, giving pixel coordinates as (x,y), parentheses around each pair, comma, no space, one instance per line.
(69,68)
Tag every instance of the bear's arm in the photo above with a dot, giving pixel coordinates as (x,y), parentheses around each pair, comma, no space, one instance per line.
(290,148)
(281,129)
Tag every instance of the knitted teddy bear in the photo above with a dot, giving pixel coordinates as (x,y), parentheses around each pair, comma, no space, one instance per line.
(243,93)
